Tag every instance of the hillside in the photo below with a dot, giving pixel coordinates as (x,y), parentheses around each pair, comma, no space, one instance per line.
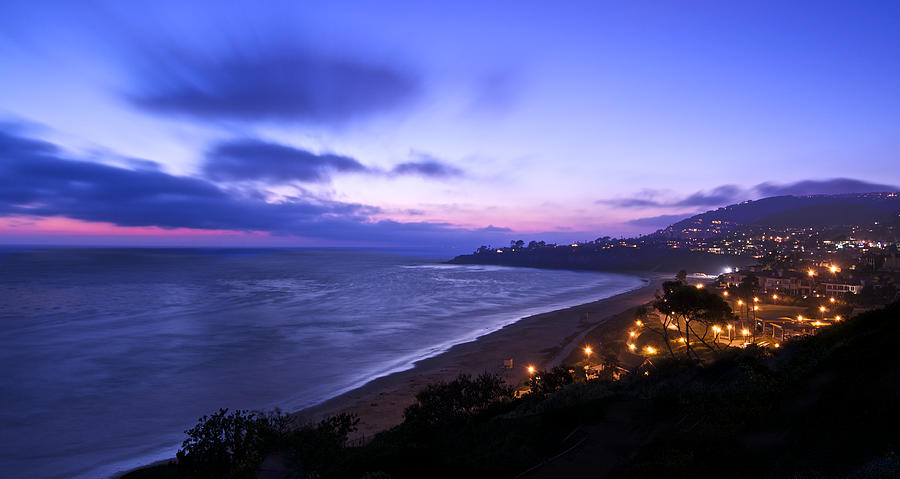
(790,212)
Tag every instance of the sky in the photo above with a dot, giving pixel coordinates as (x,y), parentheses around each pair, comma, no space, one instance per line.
(441,124)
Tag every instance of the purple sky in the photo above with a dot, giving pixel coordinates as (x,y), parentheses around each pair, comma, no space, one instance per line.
(426,124)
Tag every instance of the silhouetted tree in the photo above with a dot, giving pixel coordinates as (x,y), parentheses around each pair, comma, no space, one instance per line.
(691,308)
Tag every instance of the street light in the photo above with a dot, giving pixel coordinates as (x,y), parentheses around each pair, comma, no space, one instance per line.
(755,299)
(833,269)
(811,273)
(631,346)
(774,297)
(587,350)
(745,332)
(530,369)
(831,299)
(725,293)
(699,286)
(740,303)
(639,323)
(650,350)
(837,318)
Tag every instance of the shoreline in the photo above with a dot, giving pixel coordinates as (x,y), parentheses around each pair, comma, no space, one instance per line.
(543,340)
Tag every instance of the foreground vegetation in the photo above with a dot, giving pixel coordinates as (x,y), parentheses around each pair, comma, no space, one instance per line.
(821,406)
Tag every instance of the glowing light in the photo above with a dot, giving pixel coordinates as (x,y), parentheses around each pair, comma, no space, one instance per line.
(716,329)
(587,350)
(639,323)
(777,345)
(740,302)
(631,333)
(799,317)
(725,293)
(631,346)
(811,273)
(821,309)
(837,318)
(699,286)
(833,269)
(831,299)
(774,297)
(530,369)
(755,308)
(745,332)
(755,299)
(681,339)
(650,350)
(729,327)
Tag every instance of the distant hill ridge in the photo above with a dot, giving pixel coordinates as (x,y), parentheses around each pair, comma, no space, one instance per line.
(792,211)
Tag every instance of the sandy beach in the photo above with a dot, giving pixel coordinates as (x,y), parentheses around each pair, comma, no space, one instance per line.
(543,340)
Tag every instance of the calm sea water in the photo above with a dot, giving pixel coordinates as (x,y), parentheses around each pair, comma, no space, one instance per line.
(108,355)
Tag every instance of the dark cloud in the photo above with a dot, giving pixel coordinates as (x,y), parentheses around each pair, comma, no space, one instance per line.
(252,160)
(720,195)
(832,186)
(656,222)
(427,166)
(38,179)
(269,83)
(729,194)
(655,199)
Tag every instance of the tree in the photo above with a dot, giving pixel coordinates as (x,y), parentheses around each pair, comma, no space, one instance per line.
(681,276)
(546,382)
(461,398)
(315,448)
(231,445)
(691,309)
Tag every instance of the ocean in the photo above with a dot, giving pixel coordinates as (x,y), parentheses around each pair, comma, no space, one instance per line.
(108,355)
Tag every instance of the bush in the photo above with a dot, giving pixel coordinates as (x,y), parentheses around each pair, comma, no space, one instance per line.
(231,445)
(463,397)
